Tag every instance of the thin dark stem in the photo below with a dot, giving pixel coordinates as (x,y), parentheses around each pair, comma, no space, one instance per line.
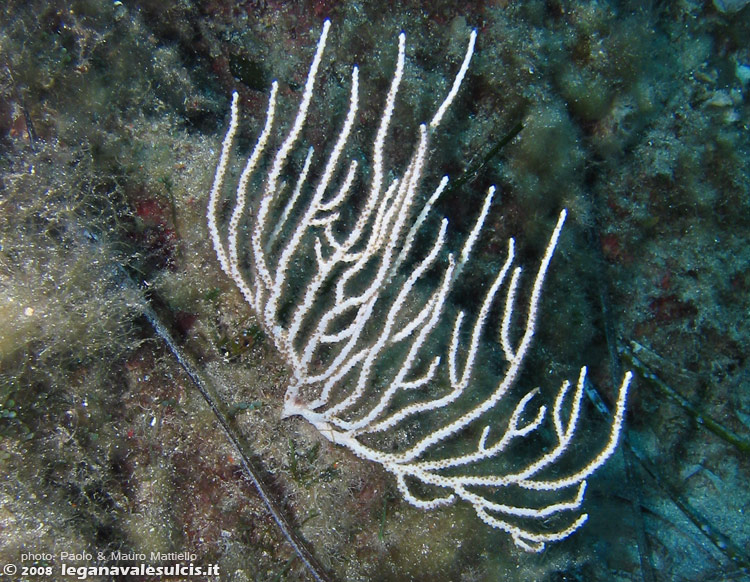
(248,466)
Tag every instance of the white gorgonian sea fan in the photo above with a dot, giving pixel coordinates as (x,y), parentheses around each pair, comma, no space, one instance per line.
(350,278)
